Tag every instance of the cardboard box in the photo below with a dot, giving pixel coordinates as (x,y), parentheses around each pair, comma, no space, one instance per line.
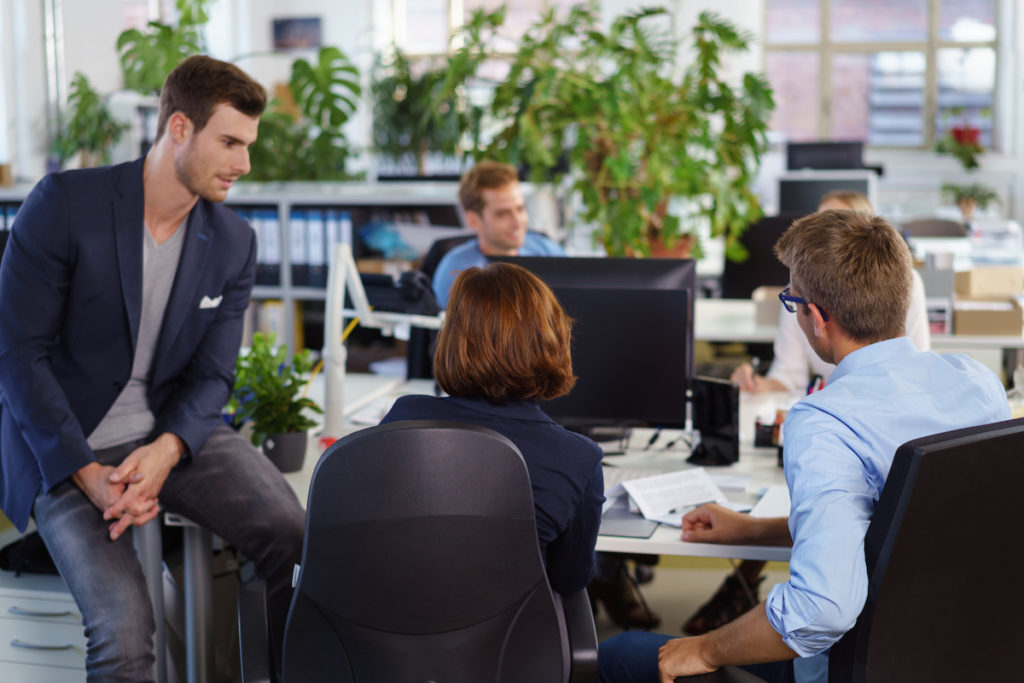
(992,282)
(988,317)
(766,305)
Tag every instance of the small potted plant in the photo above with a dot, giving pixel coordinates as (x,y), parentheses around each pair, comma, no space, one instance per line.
(969,197)
(268,394)
(963,141)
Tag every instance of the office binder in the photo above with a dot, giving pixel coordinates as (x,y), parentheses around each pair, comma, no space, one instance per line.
(315,247)
(10,211)
(297,229)
(270,230)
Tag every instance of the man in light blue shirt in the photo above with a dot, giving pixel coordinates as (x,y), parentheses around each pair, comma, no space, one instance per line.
(493,202)
(850,280)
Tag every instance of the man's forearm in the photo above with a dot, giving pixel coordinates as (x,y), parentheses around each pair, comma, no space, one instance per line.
(772,531)
(748,640)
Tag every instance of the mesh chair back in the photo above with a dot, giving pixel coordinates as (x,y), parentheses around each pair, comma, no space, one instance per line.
(421,563)
(943,559)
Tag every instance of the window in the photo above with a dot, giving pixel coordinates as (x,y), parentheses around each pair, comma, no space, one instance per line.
(895,73)
(425,26)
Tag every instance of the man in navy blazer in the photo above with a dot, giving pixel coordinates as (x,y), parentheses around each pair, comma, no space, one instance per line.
(124,293)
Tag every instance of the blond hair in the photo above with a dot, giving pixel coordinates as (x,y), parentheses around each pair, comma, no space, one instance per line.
(856,201)
(854,266)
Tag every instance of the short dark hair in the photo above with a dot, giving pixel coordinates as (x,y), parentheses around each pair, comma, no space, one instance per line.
(855,266)
(486,175)
(505,336)
(200,83)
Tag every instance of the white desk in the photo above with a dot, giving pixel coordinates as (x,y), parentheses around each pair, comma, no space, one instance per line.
(757,463)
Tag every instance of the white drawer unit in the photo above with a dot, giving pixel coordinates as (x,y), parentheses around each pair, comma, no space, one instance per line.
(41,634)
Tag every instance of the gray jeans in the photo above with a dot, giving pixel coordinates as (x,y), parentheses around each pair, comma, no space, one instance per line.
(230,488)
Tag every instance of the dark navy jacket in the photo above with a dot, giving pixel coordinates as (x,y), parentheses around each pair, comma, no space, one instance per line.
(565,473)
(70,302)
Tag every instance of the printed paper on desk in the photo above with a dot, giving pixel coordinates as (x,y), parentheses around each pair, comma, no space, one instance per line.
(672,493)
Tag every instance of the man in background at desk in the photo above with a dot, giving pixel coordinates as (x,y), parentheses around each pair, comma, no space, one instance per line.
(493,202)
(124,293)
(795,363)
(850,278)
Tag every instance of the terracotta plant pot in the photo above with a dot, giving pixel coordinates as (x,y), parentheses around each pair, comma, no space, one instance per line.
(286,451)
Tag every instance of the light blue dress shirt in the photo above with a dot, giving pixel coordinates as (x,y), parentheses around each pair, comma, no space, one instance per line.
(468,254)
(839,445)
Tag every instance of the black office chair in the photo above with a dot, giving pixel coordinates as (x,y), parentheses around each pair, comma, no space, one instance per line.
(421,563)
(740,279)
(943,560)
(420,349)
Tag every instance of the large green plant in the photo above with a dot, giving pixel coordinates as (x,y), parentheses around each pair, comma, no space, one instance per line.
(148,56)
(87,126)
(410,117)
(267,389)
(312,144)
(640,131)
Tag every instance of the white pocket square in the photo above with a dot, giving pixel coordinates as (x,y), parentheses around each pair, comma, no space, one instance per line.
(207,302)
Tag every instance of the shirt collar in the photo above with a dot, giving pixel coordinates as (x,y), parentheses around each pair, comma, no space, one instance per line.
(515,409)
(873,354)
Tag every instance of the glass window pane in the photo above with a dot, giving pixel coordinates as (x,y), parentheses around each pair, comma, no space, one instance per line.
(519,15)
(792,22)
(966,79)
(967,21)
(875,21)
(794,78)
(879,98)
(426,26)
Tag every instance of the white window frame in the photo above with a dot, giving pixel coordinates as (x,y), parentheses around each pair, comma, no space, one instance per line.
(826,49)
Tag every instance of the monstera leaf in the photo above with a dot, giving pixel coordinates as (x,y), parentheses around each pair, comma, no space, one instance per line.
(326,92)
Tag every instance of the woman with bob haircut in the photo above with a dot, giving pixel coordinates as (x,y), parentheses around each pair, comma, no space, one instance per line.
(503,347)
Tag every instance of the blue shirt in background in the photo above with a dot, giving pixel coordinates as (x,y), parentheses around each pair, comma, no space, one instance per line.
(468,254)
(839,445)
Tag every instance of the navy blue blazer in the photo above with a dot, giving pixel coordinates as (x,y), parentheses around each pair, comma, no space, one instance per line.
(70,302)
(565,475)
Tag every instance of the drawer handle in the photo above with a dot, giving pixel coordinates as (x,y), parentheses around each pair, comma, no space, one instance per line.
(36,646)
(22,612)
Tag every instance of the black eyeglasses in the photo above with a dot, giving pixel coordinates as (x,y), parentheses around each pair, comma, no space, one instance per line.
(788,300)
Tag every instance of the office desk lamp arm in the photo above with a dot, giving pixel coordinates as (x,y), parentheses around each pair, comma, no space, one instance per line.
(343,273)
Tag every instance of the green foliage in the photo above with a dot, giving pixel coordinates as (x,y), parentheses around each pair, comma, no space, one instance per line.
(267,389)
(410,115)
(147,57)
(87,125)
(313,145)
(979,194)
(639,131)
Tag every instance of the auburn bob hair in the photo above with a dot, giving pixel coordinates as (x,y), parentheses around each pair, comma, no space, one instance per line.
(505,337)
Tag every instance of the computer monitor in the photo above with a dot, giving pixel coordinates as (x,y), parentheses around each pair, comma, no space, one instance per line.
(632,338)
(824,155)
(800,192)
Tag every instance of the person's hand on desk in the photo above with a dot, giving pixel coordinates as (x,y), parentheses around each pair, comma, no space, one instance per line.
(713,523)
(747,379)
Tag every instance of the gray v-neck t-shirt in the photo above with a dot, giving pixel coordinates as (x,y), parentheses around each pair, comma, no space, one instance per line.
(130,417)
